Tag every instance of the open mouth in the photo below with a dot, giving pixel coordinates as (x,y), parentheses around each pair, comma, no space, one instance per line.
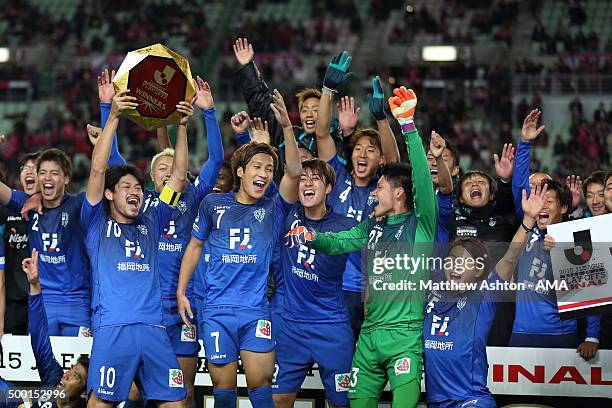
(259,184)
(310,124)
(61,385)
(309,193)
(475,194)
(133,202)
(434,172)
(543,217)
(30,181)
(48,188)
(455,275)
(216,190)
(362,166)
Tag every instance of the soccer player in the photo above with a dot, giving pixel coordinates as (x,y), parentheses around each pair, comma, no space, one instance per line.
(390,344)
(58,237)
(593,189)
(608,191)
(315,321)
(175,236)
(351,196)
(15,248)
(130,342)
(239,231)
(457,322)
(73,381)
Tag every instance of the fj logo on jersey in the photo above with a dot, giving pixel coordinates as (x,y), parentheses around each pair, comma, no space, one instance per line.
(435,325)
(306,256)
(50,242)
(188,334)
(239,238)
(343,382)
(264,329)
(133,250)
(65,219)
(175,378)
(171,230)
(260,214)
(402,366)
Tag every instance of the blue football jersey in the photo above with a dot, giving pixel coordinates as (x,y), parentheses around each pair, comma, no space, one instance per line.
(176,235)
(355,203)
(124,263)
(313,280)
(455,331)
(240,240)
(60,240)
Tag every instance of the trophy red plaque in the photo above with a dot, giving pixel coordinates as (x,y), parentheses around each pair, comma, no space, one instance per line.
(160,78)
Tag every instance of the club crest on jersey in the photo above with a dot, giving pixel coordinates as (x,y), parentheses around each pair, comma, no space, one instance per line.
(175,378)
(142,229)
(182,206)
(85,332)
(343,382)
(188,334)
(260,214)
(65,219)
(370,200)
(133,250)
(402,366)
(264,329)
(461,302)
(492,222)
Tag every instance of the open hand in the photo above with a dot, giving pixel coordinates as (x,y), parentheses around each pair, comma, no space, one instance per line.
(259,131)
(348,114)
(505,165)
(106,90)
(243,51)
(186,110)
(530,131)
(122,101)
(204,99)
(280,110)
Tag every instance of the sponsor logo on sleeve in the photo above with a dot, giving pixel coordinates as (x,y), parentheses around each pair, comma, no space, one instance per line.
(175,378)
(402,366)
(343,382)
(264,329)
(188,334)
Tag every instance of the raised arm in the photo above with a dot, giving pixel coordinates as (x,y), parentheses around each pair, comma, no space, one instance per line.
(387,140)
(49,370)
(335,76)
(531,207)
(437,144)
(403,105)
(106,93)
(504,165)
(330,243)
(102,149)
(293,167)
(520,178)
(163,139)
(178,179)
(212,166)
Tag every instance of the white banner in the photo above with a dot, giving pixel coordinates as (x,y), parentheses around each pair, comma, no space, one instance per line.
(582,259)
(512,371)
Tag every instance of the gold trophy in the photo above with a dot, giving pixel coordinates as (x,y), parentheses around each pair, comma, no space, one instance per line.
(160,78)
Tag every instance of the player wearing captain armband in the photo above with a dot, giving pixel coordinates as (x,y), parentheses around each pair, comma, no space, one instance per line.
(236,234)
(457,323)
(130,342)
(390,344)
(175,236)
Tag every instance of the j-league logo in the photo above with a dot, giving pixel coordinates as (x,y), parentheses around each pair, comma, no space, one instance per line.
(435,325)
(133,250)
(163,78)
(50,242)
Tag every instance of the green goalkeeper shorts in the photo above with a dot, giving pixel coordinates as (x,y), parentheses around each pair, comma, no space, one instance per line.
(385,355)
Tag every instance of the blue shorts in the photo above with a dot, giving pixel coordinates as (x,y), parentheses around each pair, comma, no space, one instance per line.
(472,402)
(135,352)
(300,345)
(68,319)
(183,339)
(227,331)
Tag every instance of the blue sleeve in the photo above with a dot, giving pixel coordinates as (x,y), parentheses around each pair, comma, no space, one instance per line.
(18,199)
(338,167)
(115,158)
(49,369)
(91,216)
(272,190)
(282,209)
(202,224)
(520,176)
(210,171)
(593,326)
(243,138)
(2,249)
(445,213)
(162,214)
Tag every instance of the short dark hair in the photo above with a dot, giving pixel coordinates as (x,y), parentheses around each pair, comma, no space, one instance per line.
(491,180)
(477,248)
(371,134)
(245,153)
(400,175)
(322,168)
(115,173)
(307,93)
(58,156)
(84,361)
(28,157)
(597,177)
(563,193)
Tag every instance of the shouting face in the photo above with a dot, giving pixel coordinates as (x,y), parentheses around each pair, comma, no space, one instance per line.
(552,211)
(29,178)
(125,199)
(312,189)
(52,181)
(308,114)
(447,158)
(475,190)
(366,158)
(256,176)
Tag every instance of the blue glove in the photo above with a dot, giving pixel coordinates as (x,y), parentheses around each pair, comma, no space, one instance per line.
(376,102)
(336,75)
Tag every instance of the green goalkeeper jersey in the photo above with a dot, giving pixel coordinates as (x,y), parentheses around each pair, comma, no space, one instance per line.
(396,251)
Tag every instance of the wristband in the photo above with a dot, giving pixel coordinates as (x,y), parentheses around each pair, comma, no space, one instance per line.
(327,91)
(525,227)
(169,196)
(408,126)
